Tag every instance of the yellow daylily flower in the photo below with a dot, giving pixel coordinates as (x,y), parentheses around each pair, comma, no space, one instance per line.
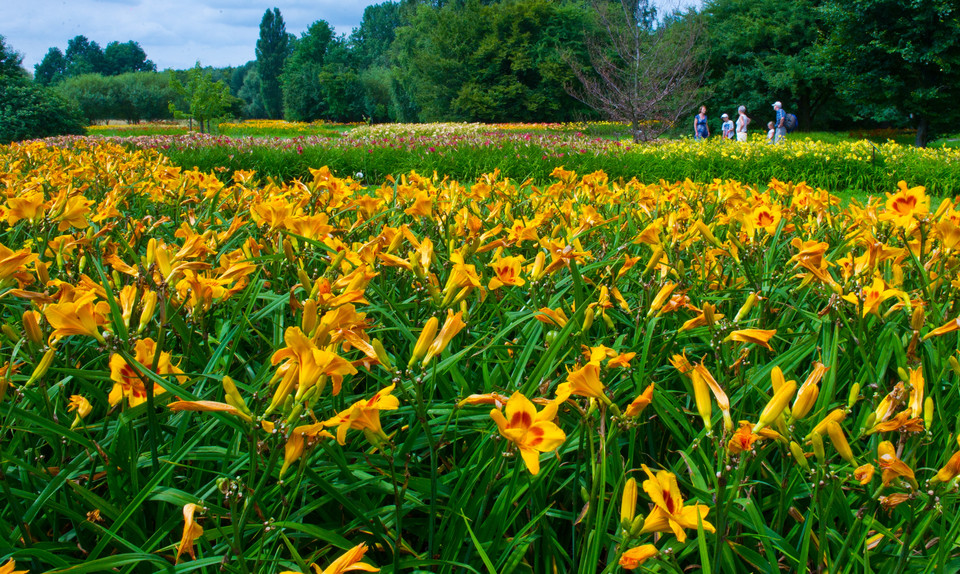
(533,432)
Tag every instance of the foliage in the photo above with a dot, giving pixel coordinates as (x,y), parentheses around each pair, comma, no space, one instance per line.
(487,61)
(28,110)
(84,56)
(899,55)
(52,69)
(11,62)
(766,51)
(303,92)
(126,58)
(466,151)
(252,376)
(205,100)
(132,97)
(273,48)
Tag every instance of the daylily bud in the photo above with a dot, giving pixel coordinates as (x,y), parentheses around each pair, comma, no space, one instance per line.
(776,405)
(382,355)
(954,364)
(709,315)
(654,259)
(42,366)
(706,233)
(423,342)
(305,281)
(818,449)
(840,443)
(288,250)
(797,451)
(835,415)
(902,373)
(233,397)
(32,327)
(42,273)
(917,317)
(10,333)
(701,395)
(149,307)
(309,321)
(806,398)
(746,308)
(587,320)
(854,395)
(927,412)
(628,504)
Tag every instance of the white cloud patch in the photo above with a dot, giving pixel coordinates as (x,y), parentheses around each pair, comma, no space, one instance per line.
(174,33)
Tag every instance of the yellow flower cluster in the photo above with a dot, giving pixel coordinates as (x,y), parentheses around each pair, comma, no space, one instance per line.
(150,275)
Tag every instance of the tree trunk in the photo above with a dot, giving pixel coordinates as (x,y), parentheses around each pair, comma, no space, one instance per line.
(923,130)
(636,130)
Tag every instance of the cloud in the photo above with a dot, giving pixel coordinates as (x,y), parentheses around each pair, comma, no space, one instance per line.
(174,33)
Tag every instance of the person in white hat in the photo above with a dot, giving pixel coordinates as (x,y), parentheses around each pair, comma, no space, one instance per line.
(780,123)
(727,127)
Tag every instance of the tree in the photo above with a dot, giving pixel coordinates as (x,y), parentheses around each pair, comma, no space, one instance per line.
(127,57)
(302,92)
(766,50)
(205,99)
(642,71)
(901,56)
(28,110)
(84,57)
(273,47)
(51,69)
(11,62)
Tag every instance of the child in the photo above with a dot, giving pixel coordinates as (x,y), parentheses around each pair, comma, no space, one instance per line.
(727,127)
(770,132)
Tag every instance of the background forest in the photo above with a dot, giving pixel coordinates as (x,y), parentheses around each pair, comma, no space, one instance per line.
(835,64)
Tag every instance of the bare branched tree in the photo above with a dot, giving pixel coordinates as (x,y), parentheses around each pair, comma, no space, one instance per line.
(642,71)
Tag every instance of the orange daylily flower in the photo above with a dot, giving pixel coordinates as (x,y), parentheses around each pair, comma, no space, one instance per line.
(864,474)
(640,403)
(669,513)
(508,270)
(892,466)
(637,555)
(305,365)
(950,470)
(533,432)
(364,415)
(296,442)
(208,407)
(349,561)
(495,399)
(584,382)
(191,531)
(871,297)
(9,568)
(451,326)
(948,327)
(127,381)
(758,336)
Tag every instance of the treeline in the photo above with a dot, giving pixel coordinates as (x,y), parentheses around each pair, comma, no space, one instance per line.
(835,64)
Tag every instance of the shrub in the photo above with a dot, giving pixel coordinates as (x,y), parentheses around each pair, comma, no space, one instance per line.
(28,110)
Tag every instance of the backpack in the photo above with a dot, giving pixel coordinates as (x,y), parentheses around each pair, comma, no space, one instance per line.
(790,122)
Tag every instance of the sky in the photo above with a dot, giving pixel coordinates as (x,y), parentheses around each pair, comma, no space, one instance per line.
(173,33)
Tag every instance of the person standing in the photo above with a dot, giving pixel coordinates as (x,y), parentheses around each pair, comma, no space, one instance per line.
(701,130)
(727,127)
(780,123)
(742,122)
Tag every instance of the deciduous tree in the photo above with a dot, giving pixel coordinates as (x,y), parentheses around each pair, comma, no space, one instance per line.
(273,47)
(901,56)
(642,70)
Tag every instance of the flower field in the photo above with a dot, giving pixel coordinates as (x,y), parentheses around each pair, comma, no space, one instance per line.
(467,151)
(219,371)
